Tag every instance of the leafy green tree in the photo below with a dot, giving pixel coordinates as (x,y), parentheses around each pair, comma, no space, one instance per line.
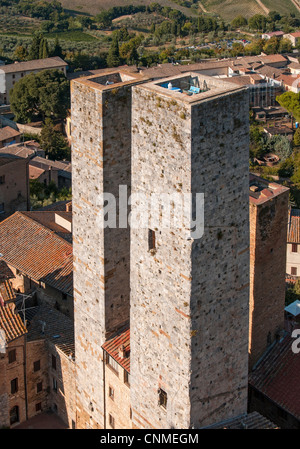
(21,53)
(239,22)
(53,142)
(291,102)
(57,50)
(113,57)
(44,50)
(34,51)
(285,46)
(281,146)
(296,138)
(271,46)
(40,95)
(274,16)
(257,22)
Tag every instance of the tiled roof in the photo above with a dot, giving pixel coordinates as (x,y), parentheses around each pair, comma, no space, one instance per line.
(35,64)
(6,158)
(25,149)
(58,329)
(5,272)
(6,292)
(7,133)
(57,206)
(47,219)
(294,226)
(277,376)
(248,421)
(11,323)
(36,251)
(35,172)
(112,346)
(290,80)
(43,163)
(261,190)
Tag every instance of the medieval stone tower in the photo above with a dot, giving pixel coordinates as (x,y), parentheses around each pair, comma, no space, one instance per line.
(185,295)
(268,235)
(189,296)
(101,162)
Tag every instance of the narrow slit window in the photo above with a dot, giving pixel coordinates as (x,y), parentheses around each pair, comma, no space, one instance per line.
(163,398)
(151,239)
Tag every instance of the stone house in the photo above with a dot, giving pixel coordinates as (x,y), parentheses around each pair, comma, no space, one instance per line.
(45,170)
(9,136)
(14,185)
(11,73)
(293,245)
(50,361)
(13,331)
(293,37)
(37,246)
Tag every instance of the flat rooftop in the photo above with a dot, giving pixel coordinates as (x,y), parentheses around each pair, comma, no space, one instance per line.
(111,79)
(192,87)
(261,190)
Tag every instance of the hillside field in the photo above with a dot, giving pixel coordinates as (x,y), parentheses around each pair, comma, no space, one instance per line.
(227,9)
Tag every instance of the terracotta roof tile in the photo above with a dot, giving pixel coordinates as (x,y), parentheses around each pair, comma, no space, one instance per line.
(59,329)
(35,64)
(112,346)
(11,323)
(294,226)
(277,376)
(37,251)
(248,421)
(7,133)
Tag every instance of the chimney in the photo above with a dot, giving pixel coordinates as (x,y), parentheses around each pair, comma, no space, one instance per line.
(122,352)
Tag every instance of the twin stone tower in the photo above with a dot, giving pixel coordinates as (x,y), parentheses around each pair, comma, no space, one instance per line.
(185,295)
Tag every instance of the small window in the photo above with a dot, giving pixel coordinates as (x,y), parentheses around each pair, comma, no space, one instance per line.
(126,378)
(73,424)
(36,365)
(14,415)
(12,356)
(54,384)
(151,239)
(111,393)
(53,362)
(64,296)
(163,398)
(2,179)
(112,363)
(2,208)
(294,248)
(111,421)
(14,386)
(294,271)
(39,387)
(38,407)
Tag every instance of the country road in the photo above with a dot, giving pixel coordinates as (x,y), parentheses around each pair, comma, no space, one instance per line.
(263,6)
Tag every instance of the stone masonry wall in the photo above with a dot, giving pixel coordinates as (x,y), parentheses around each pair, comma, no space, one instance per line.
(189,303)
(101,161)
(268,231)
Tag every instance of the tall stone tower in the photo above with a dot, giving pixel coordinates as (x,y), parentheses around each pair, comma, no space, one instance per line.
(189,295)
(101,162)
(268,243)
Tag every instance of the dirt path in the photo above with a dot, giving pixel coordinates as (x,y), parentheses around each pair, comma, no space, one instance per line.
(296,3)
(263,6)
(202,7)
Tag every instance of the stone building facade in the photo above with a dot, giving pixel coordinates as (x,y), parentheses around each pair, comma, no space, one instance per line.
(14,185)
(268,236)
(189,297)
(101,161)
